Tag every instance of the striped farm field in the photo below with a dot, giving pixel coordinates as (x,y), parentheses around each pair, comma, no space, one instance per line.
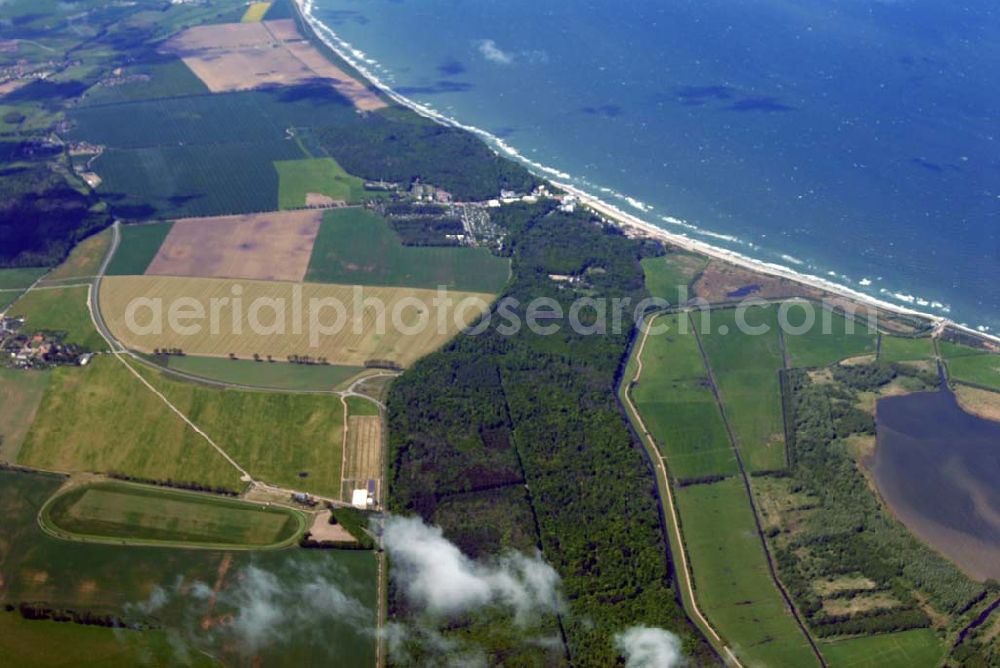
(255,12)
(117,511)
(362,454)
(338,322)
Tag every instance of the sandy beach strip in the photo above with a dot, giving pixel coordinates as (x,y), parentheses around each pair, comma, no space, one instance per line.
(359,62)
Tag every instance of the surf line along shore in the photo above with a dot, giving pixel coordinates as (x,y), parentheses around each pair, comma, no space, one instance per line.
(360,63)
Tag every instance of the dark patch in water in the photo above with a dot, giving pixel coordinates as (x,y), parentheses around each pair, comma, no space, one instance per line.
(605,110)
(451,67)
(764,103)
(436,88)
(698,95)
(937,467)
(745,291)
(929,166)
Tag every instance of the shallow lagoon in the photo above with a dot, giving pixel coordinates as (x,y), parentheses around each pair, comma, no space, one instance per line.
(938,469)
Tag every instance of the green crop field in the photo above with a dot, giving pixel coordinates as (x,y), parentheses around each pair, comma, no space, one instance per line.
(101,418)
(361,406)
(732,582)
(42,644)
(825,345)
(678,406)
(165,77)
(746,367)
(20,395)
(899,349)
(949,350)
(60,310)
(668,277)
(356,246)
(160,587)
(83,262)
(139,245)
(11,279)
(244,118)
(322,176)
(199,180)
(14,281)
(292,440)
(983,370)
(274,375)
(919,648)
(116,511)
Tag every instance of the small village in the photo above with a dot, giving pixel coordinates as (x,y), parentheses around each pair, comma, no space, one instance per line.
(23,348)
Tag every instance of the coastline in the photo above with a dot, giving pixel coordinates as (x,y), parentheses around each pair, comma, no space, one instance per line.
(357,60)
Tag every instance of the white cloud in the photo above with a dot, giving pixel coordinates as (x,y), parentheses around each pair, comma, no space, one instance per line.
(491,52)
(436,576)
(649,647)
(268,605)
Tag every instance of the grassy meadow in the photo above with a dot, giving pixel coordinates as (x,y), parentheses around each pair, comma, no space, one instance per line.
(43,644)
(919,648)
(20,278)
(116,511)
(273,375)
(732,581)
(356,246)
(668,277)
(323,176)
(20,395)
(982,369)
(361,406)
(678,406)
(101,418)
(84,260)
(746,369)
(62,310)
(139,245)
(13,282)
(822,346)
(900,349)
(291,440)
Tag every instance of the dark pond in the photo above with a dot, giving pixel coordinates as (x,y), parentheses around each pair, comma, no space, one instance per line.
(938,468)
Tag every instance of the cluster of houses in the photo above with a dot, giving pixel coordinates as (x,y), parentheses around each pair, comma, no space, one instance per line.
(23,349)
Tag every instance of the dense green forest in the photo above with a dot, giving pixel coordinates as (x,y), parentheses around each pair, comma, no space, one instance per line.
(845,532)
(398,146)
(530,422)
(42,213)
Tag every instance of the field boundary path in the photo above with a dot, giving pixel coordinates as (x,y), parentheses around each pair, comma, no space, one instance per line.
(668,497)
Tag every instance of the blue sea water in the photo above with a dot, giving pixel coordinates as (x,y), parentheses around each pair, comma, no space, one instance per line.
(855,140)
